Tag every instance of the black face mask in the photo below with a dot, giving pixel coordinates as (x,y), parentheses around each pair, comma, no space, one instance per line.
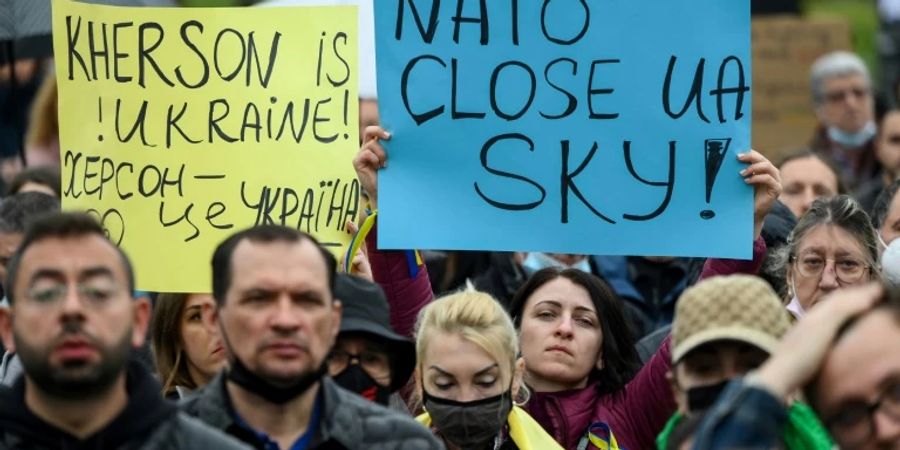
(701,398)
(469,425)
(243,377)
(355,379)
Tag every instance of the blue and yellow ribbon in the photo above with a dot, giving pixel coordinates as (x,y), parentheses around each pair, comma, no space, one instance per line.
(358,239)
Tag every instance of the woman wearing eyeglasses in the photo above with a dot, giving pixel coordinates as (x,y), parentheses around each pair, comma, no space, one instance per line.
(833,246)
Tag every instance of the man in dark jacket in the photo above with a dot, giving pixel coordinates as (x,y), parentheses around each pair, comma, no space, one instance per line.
(845,355)
(74,324)
(278,318)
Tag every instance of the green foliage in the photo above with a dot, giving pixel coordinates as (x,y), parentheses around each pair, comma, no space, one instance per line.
(863,18)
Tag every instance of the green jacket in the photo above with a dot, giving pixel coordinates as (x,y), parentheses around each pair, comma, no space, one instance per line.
(803,431)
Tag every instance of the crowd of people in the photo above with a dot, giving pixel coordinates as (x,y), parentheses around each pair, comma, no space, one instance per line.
(797,348)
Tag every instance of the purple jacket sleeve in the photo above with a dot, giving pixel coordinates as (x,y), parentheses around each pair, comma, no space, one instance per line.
(715,267)
(648,397)
(407,296)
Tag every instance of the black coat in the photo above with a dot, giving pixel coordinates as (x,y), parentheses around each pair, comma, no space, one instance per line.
(148,423)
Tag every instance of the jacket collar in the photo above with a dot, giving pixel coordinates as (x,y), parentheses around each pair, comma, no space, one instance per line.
(215,409)
(144,412)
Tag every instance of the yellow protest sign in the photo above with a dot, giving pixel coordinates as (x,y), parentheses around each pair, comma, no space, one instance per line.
(180,126)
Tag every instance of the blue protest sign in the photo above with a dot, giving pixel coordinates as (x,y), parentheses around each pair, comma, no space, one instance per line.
(575,126)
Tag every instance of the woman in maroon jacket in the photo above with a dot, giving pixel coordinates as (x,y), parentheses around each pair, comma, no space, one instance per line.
(580,359)
(581,363)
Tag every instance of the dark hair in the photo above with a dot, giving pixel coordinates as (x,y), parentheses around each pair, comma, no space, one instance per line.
(45,175)
(221,261)
(890,304)
(18,210)
(807,153)
(171,362)
(883,204)
(63,225)
(620,357)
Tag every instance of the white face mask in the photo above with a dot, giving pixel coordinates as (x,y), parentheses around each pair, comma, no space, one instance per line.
(853,141)
(890,263)
(536,261)
(794,307)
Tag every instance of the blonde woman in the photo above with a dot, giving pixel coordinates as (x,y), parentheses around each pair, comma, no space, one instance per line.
(468,375)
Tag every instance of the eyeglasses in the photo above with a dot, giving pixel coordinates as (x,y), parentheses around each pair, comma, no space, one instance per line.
(838,96)
(93,296)
(847,269)
(376,363)
(854,424)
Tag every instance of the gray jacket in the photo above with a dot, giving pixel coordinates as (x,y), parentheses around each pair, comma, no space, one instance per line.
(347,421)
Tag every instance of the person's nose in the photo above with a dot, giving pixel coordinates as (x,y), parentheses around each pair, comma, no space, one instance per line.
(887,429)
(808,198)
(285,315)
(829,278)
(564,328)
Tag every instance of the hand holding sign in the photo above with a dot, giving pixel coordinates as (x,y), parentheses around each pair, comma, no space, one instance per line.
(766,181)
(369,160)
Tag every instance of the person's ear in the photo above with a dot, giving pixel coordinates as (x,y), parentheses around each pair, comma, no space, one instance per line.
(6,328)
(600,364)
(209,314)
(677,394)
(141,321)
(518,376)
(337,309)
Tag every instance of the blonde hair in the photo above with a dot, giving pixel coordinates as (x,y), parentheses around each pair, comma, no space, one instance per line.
(477,318)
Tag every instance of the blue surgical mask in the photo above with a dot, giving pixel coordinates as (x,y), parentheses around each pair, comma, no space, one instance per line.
(855,140)
(536,261)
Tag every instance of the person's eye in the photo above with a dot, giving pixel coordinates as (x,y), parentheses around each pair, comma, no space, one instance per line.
(585,322)
(850,416)
(812,262)
(255,297)
(194,316)
(545,315)
(443,385)
(849,264)
(892,394)
(793,189)
(96,294)
(46,295)
(373,358)
(486,384)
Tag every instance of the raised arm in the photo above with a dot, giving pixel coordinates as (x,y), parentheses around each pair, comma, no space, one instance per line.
(400,273)
(766,181)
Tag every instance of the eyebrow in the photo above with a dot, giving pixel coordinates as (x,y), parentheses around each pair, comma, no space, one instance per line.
(559,305)
(99,271)
(480,372)
(54,274)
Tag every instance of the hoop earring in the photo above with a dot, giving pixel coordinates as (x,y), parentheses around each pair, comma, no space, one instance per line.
(523,397)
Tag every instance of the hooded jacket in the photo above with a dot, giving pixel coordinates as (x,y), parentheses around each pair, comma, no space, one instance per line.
(348,421)
(148,422)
